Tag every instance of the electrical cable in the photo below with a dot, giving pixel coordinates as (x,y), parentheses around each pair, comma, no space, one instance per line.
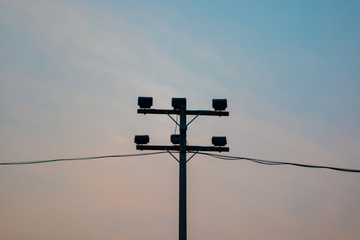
(83,158)
(268,162)
(176,124)
(218,156)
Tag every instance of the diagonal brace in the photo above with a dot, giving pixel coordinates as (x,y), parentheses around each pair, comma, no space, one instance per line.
(193,119)
(172,155)
(193,155)
(173,119)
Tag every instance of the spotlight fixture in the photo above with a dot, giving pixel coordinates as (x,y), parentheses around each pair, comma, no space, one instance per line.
(175,138)
(219,141)
(141,139)
(145,102)
(176,103)
(219,104)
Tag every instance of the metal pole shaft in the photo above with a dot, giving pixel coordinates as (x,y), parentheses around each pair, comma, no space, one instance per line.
(182,175)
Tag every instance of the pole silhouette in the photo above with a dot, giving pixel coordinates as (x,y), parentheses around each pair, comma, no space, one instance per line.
(180,143)
(182,175)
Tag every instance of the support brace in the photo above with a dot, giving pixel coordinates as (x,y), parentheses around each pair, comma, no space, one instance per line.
(193,155)
(172,155)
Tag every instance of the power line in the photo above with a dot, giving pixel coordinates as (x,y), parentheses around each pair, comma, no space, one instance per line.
(218,156)
(268,162)
(83,158)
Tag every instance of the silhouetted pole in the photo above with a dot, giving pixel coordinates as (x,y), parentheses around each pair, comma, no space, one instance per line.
(179,105)
(182,175)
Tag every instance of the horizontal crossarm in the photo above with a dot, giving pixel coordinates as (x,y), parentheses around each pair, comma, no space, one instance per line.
(177,148)
(207,149)
(188,112)
(158,147)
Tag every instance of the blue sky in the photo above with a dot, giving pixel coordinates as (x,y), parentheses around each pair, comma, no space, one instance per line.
(70,75)
(306,52)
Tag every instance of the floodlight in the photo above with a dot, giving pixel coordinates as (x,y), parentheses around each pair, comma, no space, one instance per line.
(175,138)
(219,141)
(219,104)
(141,139)
(145,102)
(178,102)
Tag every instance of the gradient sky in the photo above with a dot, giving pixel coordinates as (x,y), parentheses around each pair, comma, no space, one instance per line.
(70,75)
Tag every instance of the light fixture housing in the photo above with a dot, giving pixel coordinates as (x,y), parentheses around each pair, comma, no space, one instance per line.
(176,103)
(219,104)
(175,138)
(145,102)
(219,141)
(141,139)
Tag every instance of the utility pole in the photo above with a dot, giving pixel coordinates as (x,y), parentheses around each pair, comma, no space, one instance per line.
(182,175)
(180,143)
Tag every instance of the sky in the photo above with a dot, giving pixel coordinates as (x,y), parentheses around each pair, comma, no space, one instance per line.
(70,75)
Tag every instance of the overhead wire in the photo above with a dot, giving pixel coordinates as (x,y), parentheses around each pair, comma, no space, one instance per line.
(268,162)
(218,156)
(82,158)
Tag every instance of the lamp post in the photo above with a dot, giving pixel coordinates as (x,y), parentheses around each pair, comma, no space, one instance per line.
(180,143)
